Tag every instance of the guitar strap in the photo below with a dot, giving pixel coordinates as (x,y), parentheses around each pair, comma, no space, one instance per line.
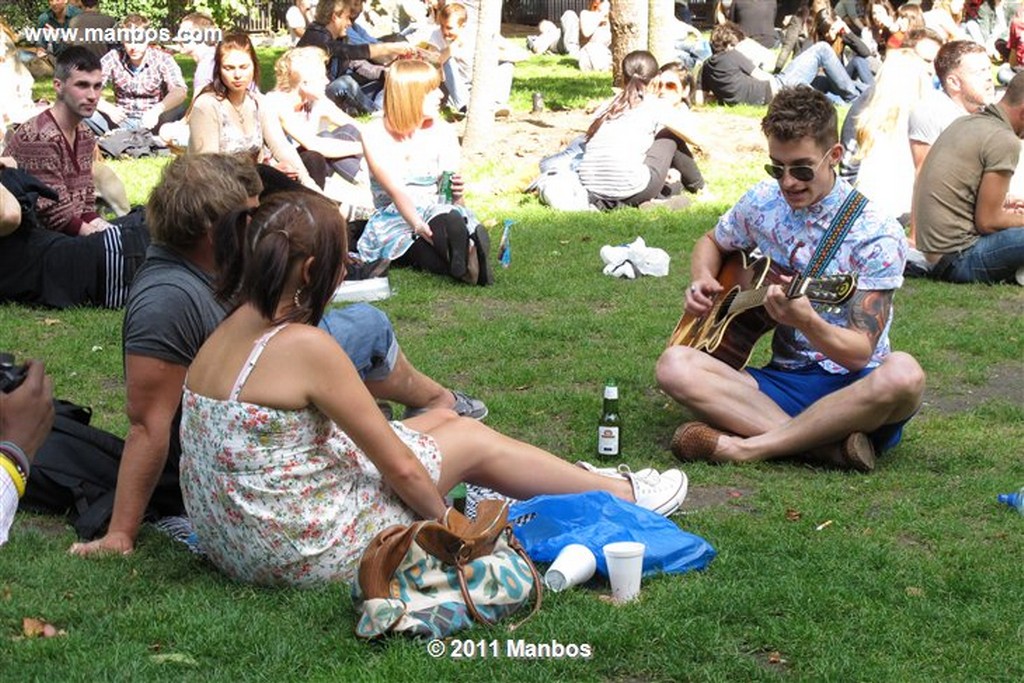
(851,209)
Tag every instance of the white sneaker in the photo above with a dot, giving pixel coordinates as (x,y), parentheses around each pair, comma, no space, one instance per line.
(618,472)
(659,492)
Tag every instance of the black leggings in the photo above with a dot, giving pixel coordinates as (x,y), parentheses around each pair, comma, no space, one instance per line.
(668,151)
(658,161)
(446,252)
(683,161)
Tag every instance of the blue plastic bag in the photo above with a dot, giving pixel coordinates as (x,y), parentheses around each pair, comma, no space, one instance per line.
(546,524)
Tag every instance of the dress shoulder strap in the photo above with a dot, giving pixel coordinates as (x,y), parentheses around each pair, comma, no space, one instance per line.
(254,355)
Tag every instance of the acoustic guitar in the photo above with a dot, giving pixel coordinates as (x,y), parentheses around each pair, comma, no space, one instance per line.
(737,318)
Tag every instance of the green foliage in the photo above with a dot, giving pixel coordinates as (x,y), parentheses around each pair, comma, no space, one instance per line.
(21,13)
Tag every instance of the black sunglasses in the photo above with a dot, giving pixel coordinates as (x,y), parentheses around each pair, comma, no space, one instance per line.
(803,173)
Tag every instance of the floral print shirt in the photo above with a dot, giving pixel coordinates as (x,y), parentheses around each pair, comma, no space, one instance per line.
(875,249)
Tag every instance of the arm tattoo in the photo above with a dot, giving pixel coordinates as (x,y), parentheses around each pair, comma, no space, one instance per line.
(869,311)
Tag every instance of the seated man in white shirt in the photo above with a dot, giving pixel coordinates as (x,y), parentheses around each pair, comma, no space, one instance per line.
(297,18)
(457,46)
(965,72)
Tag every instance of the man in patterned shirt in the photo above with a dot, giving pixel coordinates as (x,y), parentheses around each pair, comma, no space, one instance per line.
(149,88)
(834,392)
(58,150)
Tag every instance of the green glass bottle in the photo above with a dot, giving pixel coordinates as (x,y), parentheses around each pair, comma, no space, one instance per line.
(445,188)
(609,427)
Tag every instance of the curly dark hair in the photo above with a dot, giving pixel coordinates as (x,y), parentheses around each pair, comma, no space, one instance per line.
(725,36)
(801,112)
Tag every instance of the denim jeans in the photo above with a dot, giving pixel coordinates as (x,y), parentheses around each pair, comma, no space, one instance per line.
(804,68)
(995,257)
(345,92)
(458,89)
(366,335)
(690,52)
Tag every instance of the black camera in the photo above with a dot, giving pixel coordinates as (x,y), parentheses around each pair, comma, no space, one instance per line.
(11,375)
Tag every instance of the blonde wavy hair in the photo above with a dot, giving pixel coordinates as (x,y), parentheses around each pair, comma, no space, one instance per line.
(292,61)
(407,82)
(901,83)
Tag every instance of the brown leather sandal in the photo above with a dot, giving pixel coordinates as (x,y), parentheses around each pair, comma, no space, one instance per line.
(694,441)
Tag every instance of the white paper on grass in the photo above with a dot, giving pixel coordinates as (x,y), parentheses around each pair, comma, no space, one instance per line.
(371,289)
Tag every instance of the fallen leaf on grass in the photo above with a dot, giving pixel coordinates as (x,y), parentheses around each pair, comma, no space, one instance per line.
(37,628)
(775,658)
(51,321)
(523,387)
(96,348)
(792,515)
(174,658)
(915,592)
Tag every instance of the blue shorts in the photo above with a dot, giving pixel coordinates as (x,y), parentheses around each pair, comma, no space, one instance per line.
(366,335)
(795,390)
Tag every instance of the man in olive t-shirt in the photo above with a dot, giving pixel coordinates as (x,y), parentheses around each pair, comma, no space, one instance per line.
(968,227)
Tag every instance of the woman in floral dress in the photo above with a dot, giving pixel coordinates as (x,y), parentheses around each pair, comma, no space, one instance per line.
(288,467)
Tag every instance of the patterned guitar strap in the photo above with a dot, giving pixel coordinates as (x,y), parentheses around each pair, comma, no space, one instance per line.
(850,211)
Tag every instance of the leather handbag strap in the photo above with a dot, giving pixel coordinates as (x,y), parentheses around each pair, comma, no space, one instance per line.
(514,544)
(450,540)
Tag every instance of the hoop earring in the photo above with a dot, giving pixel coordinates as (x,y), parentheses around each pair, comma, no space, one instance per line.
(295,299)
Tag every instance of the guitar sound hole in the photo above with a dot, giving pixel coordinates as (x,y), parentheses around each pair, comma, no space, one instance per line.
(722,310)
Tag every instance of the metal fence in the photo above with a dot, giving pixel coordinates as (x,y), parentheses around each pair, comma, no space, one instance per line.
(266,16)
(532,12)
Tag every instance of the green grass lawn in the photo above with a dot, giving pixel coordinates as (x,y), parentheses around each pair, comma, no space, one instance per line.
(918,576)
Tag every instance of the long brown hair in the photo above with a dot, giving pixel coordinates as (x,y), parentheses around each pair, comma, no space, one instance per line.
(232,41)
(638,69)
(255,257)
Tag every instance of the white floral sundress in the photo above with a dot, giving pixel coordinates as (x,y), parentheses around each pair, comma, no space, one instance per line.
(284,496)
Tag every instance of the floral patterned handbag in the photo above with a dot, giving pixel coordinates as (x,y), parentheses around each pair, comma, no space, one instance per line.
(432,579)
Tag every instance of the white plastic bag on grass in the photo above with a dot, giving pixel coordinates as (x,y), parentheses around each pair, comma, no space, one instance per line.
(634,259)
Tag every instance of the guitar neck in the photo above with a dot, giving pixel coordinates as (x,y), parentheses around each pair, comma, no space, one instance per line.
(752,298)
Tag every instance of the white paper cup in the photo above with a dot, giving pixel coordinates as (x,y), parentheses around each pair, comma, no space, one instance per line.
(574,565)
(625,567)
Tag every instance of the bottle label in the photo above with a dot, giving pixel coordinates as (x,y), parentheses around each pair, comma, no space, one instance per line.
(607,440)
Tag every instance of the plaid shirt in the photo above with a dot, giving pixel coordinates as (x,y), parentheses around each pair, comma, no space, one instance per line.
(137,90)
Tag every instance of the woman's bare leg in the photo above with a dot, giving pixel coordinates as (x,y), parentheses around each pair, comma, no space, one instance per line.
(477,454)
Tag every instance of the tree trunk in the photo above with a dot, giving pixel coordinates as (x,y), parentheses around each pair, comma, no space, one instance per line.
(629,32)
(659,30)
(480,111)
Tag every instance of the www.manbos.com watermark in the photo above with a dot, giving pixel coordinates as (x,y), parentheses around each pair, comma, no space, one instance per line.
(127,34)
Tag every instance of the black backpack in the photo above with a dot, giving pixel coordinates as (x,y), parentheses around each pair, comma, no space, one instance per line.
(75,473)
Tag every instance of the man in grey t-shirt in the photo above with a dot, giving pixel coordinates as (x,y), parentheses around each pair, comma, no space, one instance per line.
(173,308)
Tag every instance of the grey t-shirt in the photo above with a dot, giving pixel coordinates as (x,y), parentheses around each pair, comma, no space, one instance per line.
(171,311)
(171,308)
(931,116)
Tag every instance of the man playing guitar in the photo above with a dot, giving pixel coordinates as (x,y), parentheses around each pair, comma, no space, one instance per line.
(834,392)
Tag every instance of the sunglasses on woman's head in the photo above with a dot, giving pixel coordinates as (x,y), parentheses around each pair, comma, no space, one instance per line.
(803,172)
